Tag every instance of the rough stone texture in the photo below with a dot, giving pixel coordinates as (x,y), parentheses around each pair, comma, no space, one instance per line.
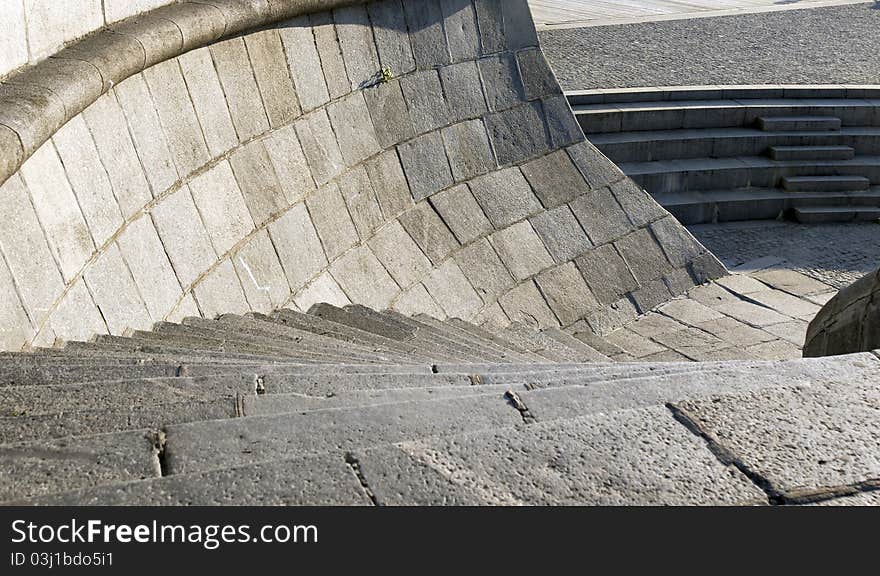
(354,129)
(467,147)
(298,246)
(567,293)
(267,57)
(606,273)
(208,100)
(399,254)
(424,97)
(451,290)
(463,89)
(389,113)
(483,267)
(521,250)
(255,176)
(389,182)
(505,196)
(116,294)
(221,292)
(426,165)
(304,63)
(555,179)
(526,304)
(460,211)
(184,236)
(221,207)
(364,279)
(429,231)
(561,233)
(332,221)
(289,163)
(601,216)
(261,274)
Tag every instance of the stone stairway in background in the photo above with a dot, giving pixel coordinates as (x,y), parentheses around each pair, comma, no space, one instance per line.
(726,153)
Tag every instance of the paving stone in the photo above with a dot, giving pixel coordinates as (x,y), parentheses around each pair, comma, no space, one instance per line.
(643,256)
(786,304)
(774,350)
(209,101)
(304,63)
(460,23)
(88,179)
(567,293)
(424,96)
(650,295)
(354,129)
(735,332)
(184,236)
(484,269)
(51,466)
(505,196)
(259,186)
(654,323)
(561,123)
(298,246)
(690,312)
(527,305)
(426,165)
(463,88)
(538,79)
(711,295)
(606,273)
(792,282)
(429,231)
(417,300)
(364,279)
(261,274)
(451,290)
(76,317)
(392,38)
(117,152)
(220,292)
(426,34)
(332,221)
(327,43)
(467,147)
(678,244)
(555,179)
(389,112)
(146,130)
(273,79)
(399,254)
(794,331)
(752,314)
(116,294)
(56,206)
(595,166)
(518,134)
(521,250)
(561,233)
(320,147)
(765,430)
(289,163)
(322,289)
(357,190)
(601,216)
(504,88)
(634,344)
(389,183)
(150,267)
(221,207)
(178,117)
(358,48)
(460,210)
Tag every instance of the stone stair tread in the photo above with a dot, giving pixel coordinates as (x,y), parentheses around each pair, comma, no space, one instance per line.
(824,214)
(582,347)
(494,337)
(504,352)
(432,337)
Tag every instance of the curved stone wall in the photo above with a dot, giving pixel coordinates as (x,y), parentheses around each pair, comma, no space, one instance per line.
(849,322)
(278,167)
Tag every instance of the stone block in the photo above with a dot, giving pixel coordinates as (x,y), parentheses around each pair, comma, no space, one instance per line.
(491,25)
(358,48)
(150,267)
(485,271)
(289,163)
(255,174)
(521,250)
(400,255)
(116,294)
(150,142)
(601,216)
(638,205)
(327,43)
(114,55)
(643,256)
(650,295)
(240,86)
(460,211)
(389,183)
(596,168)
(14,45)
(450,288)
(332,221)
(392,38)
(304,63)
(11,152)
(561,123)
(429,232)
(606,273)
(505,196)
(561,233)
(77,84)
(424,97)
(220,292)
(501,80)
(678,244)
(518,134)
(32,112)
(76,317)
(298,246)
(320,146)
(357,190)
(273,78)
(261,274)
(567,293)
(178,118)
(184,236)
(222,207)
(425,165)
(159,38)
(322,289)
(198,23)
(425,21)
(56,206)
(354,129)
(364,279)
(463,88)
(538,80)
(555,179)
(468,150)
(752,314)
(17,328)
(209,101)
(460,23)
(526,305)
(389,112)
(519,28)
(88,179)
(416,300)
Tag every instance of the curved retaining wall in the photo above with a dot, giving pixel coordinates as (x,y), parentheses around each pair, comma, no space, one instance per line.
(849,322)
(276,168)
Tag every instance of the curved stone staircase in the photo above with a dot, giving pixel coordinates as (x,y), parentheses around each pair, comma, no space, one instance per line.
(723,154)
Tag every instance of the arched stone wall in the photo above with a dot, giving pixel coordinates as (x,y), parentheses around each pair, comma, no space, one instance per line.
(277,168)
(849,322)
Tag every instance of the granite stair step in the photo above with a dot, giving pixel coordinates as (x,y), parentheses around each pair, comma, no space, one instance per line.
(825,183)
(826,214)
(812,152)
(789,123)
(495,337)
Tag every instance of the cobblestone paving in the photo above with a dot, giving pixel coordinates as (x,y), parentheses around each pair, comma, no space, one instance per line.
(834,45)
(836,254)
